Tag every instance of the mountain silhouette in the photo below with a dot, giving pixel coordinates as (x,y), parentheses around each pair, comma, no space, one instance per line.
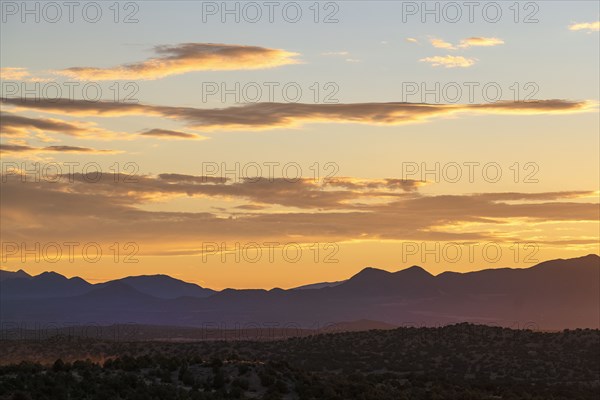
(51,284)
(376,282)
(5,275)
(47,284)
(319,285)
(165,287)
(555,294)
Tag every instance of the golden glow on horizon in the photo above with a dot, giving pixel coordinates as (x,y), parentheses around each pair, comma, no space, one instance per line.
(367,213)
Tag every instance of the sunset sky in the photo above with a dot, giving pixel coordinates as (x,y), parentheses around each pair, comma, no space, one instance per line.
(343,156)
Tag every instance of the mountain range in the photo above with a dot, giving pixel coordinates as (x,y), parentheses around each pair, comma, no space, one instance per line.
(555,294)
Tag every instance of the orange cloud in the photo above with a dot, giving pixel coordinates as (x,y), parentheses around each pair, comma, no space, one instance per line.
(260,116)
(338,193)
(585,26)
(15,149)
(68,207)
(20,126)
(189,57)
(19,74)
(169,134)
(449,61)
(441,44)
(370,184)
(14,74)
(474,41)
(480,42)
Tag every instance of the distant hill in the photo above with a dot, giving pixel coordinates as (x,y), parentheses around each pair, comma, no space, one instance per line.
(319,285)
(555,294)
(47,284)
(413,281)
(165,287)
(5,275)
(50,284)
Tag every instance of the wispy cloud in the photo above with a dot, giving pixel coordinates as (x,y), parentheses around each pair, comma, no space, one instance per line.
(449,61)
(12,149)
(19,74)
(21,126)
(585,26)
(477,41)
(14,125)
(14,74)
(342,54)
(189,57)
(305,193)
(474,41)
(261,116)
(441,44)
(169,134)
(320,212)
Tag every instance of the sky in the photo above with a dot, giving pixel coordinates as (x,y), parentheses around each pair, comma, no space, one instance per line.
(261,145)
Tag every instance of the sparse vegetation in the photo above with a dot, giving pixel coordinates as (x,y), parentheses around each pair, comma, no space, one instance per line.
(456,362)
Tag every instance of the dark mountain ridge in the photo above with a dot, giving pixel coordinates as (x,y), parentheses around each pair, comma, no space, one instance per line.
(554,294)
